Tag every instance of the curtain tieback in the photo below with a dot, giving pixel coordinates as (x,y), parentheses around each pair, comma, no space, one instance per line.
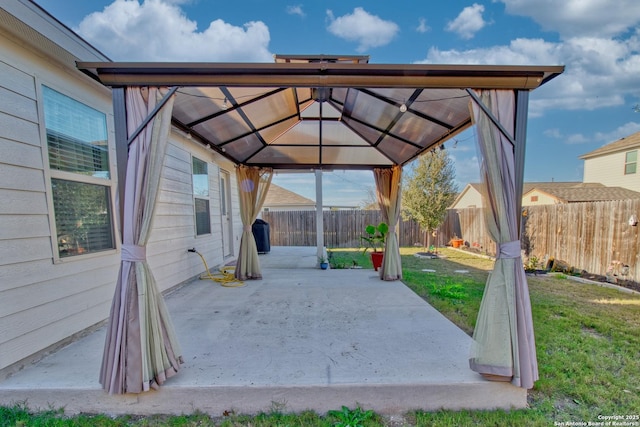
(509,250)
(246,228)
(134,253)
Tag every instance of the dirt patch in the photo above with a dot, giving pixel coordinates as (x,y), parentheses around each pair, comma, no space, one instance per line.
(629,284)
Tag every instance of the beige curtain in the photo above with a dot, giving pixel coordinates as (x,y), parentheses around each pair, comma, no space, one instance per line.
(504,345)
(141,350)
(388,192)
(253,184)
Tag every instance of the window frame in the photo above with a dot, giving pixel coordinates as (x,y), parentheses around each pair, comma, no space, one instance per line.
(628,163)
(206,198)
(51,174)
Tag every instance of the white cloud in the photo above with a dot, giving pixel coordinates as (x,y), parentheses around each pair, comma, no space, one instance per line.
(552,133)
(295,10)
(620,132)
(579,18)
(422,26)
(468,22)
(601,137)
(158,30)
(362,27)
(576,138)
(599,72)
(467,168)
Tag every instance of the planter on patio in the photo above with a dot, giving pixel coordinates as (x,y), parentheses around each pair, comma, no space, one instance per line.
(456,243)
(376,259)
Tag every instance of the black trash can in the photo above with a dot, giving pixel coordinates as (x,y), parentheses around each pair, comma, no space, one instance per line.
(260,229)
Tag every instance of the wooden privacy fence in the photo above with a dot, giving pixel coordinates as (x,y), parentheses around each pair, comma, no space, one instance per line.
(588,236)
(342,228)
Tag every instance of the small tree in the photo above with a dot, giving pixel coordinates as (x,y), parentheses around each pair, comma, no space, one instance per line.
(428,189)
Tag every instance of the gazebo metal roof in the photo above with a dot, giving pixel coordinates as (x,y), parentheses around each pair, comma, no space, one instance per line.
(326,112)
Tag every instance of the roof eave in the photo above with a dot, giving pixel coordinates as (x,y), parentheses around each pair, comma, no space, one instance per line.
(320,75)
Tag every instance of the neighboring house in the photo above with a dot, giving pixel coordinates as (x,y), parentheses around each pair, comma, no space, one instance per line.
(546,193)
(471,194)
(615,164)
(281,199)
(59,240)
(469,197)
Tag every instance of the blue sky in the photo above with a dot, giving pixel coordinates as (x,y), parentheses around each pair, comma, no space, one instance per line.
(590,105)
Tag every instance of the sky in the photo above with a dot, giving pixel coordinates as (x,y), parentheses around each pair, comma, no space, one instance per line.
(594,102)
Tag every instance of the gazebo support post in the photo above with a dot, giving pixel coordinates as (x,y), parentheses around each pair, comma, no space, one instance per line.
(520,131)
(122,147)
(319,218)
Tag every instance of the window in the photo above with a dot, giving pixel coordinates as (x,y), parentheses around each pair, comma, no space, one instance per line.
(80,179)
(201,196)
(630,162)
(534,198)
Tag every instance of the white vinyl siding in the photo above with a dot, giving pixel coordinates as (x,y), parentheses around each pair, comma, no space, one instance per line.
(44,300)
(470,198)
(535,198)
(609,169)
(174,222)
(41,303)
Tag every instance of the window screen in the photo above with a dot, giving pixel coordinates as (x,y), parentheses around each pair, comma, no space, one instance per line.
(83,217)
(76,136)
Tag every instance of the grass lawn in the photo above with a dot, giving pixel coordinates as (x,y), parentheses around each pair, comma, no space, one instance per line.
(587,338)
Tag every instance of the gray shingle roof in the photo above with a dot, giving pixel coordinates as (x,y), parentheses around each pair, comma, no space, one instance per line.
(573,192)
(631,141)
(278,196)
(586,192)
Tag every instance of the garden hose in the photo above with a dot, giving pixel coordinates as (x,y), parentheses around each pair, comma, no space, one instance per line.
(225,275)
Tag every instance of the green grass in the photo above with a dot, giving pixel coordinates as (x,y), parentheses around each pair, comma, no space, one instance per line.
(341,258)
(587,339)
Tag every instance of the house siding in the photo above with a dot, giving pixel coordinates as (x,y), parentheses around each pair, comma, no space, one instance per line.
(543,199)
(609,170)
(470,199)
(45,300)
(41,302)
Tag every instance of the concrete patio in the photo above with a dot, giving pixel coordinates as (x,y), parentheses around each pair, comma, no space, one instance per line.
(301,338)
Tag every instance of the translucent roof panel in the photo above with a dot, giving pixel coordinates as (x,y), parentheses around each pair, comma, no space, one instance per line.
(325,111)
(284,155)
(223,128)
(355,156)
(398,150)
(450,106)
(416,129)
(308,133)
(275,131)
(365,130)
(328,111)
(193,103)
(243,95)
(270,109)
(243,148)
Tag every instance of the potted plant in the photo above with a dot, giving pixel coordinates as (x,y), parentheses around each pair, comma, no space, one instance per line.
(324,262)
(457,242)
(374,239)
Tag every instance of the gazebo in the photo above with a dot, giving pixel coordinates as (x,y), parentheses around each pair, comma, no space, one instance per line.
(316,113)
